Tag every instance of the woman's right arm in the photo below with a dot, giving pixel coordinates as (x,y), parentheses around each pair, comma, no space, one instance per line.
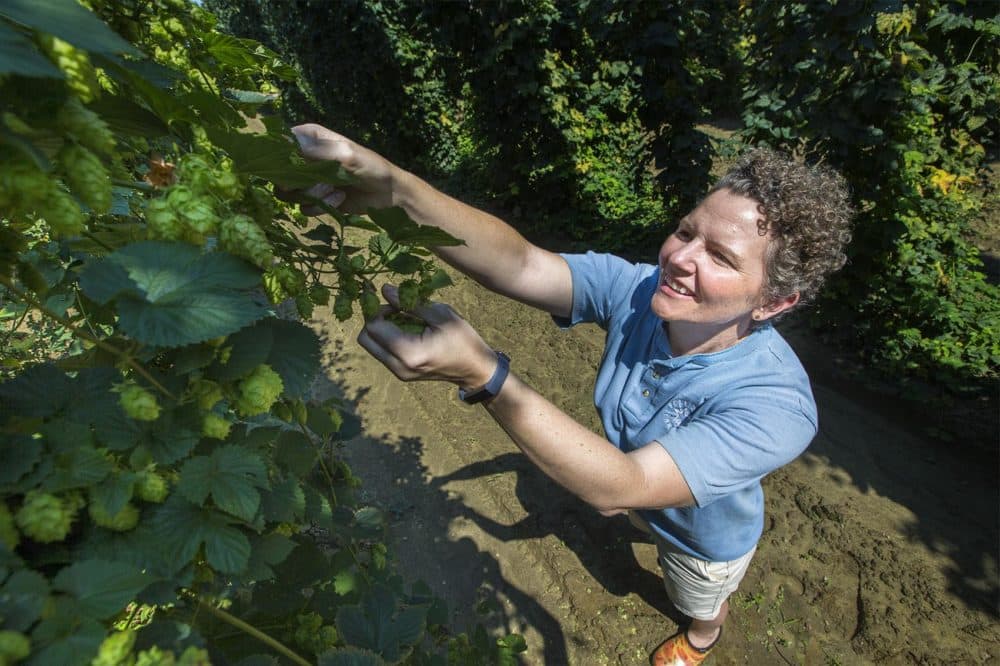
(494,254)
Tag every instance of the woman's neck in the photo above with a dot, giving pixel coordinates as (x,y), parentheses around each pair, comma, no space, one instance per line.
(688,339)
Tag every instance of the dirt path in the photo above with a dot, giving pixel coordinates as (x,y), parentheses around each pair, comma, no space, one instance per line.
(880,547)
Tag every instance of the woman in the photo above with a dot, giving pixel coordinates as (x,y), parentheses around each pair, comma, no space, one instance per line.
(700,397)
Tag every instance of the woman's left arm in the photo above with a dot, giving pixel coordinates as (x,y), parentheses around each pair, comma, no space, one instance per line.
(579,460)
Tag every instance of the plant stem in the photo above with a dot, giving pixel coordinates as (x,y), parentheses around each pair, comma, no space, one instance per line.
(83,335)
(253,631)
(133,184)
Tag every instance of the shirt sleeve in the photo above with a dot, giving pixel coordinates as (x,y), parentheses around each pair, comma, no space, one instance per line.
(602,283)
(725,450)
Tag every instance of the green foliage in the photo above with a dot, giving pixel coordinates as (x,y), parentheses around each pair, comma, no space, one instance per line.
(898,98)
(582,113)
(161,470)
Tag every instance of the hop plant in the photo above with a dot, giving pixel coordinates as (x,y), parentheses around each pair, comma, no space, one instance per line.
(87,177)
(240,236)
(8,531)
(152,487)
(206,392)
(44,517)
(193,656)
(199,218)
(139,403)
(215,426)
(162,220)
(115,650)
(258,391)
(75,64)
(123,521)
(14,646)
(154,656)
(86,127)
(63,214)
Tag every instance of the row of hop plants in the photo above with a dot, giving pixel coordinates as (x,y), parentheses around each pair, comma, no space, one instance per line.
(164,468)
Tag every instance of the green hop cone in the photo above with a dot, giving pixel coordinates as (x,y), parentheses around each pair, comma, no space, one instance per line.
(162,220)
(239,235)
(44,517)
(343,307)
(75,64)
(327,637)
(272,286)
(226,184)
(63,214)
(206,392)
(409,294)
(123,521)
(370,305)
(199,218)
(86,127)
(152,487)
(155,656)
(87,177)
(14,646)
(115,650)
(215,426)
(193,656)
(8,531)
(139,403)
(258,391)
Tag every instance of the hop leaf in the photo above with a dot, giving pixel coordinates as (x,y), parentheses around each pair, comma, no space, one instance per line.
(115,650)
(122,521)
(215,426)
(87,177)
(152,487)
(139,403)
(258,391)
(14,646)
(8,532)
(45,517)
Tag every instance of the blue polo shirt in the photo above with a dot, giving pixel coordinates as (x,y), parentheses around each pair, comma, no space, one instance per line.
(727,418)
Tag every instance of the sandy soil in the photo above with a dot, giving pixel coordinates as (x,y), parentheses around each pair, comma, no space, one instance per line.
(880,547)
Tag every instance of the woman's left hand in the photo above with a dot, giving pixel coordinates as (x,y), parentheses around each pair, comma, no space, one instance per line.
(448,349)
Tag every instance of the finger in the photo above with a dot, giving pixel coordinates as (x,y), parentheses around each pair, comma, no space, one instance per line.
(317,142)
(434,314)
(383,355)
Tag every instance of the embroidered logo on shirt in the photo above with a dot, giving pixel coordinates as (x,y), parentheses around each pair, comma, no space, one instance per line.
(677,410)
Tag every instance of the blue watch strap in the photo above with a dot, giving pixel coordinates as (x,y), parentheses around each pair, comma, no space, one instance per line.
(492,387)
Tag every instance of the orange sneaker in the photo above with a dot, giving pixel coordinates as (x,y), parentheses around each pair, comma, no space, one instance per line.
(678,651)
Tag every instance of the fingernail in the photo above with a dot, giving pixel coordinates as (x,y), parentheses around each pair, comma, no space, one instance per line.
(335,199)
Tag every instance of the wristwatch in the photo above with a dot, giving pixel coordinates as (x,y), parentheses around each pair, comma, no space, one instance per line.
(490,388)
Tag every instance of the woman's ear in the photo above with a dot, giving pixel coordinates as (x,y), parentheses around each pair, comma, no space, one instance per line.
(777,306)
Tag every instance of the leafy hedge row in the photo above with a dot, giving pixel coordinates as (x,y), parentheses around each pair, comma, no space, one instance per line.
(904,103)
(580,116)
(161,472)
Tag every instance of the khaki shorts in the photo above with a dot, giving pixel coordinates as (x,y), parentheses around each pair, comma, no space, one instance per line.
(696,587)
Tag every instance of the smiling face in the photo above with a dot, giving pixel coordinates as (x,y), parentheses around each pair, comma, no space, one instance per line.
(712,273)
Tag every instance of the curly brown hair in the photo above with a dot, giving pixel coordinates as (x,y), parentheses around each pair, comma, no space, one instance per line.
(807,212)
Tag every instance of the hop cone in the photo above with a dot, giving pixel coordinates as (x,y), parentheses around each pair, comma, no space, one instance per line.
(258,391)
(44,517)
(123,521)
(87,177)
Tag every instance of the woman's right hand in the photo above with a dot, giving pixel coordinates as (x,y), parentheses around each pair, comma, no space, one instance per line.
(377,178)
